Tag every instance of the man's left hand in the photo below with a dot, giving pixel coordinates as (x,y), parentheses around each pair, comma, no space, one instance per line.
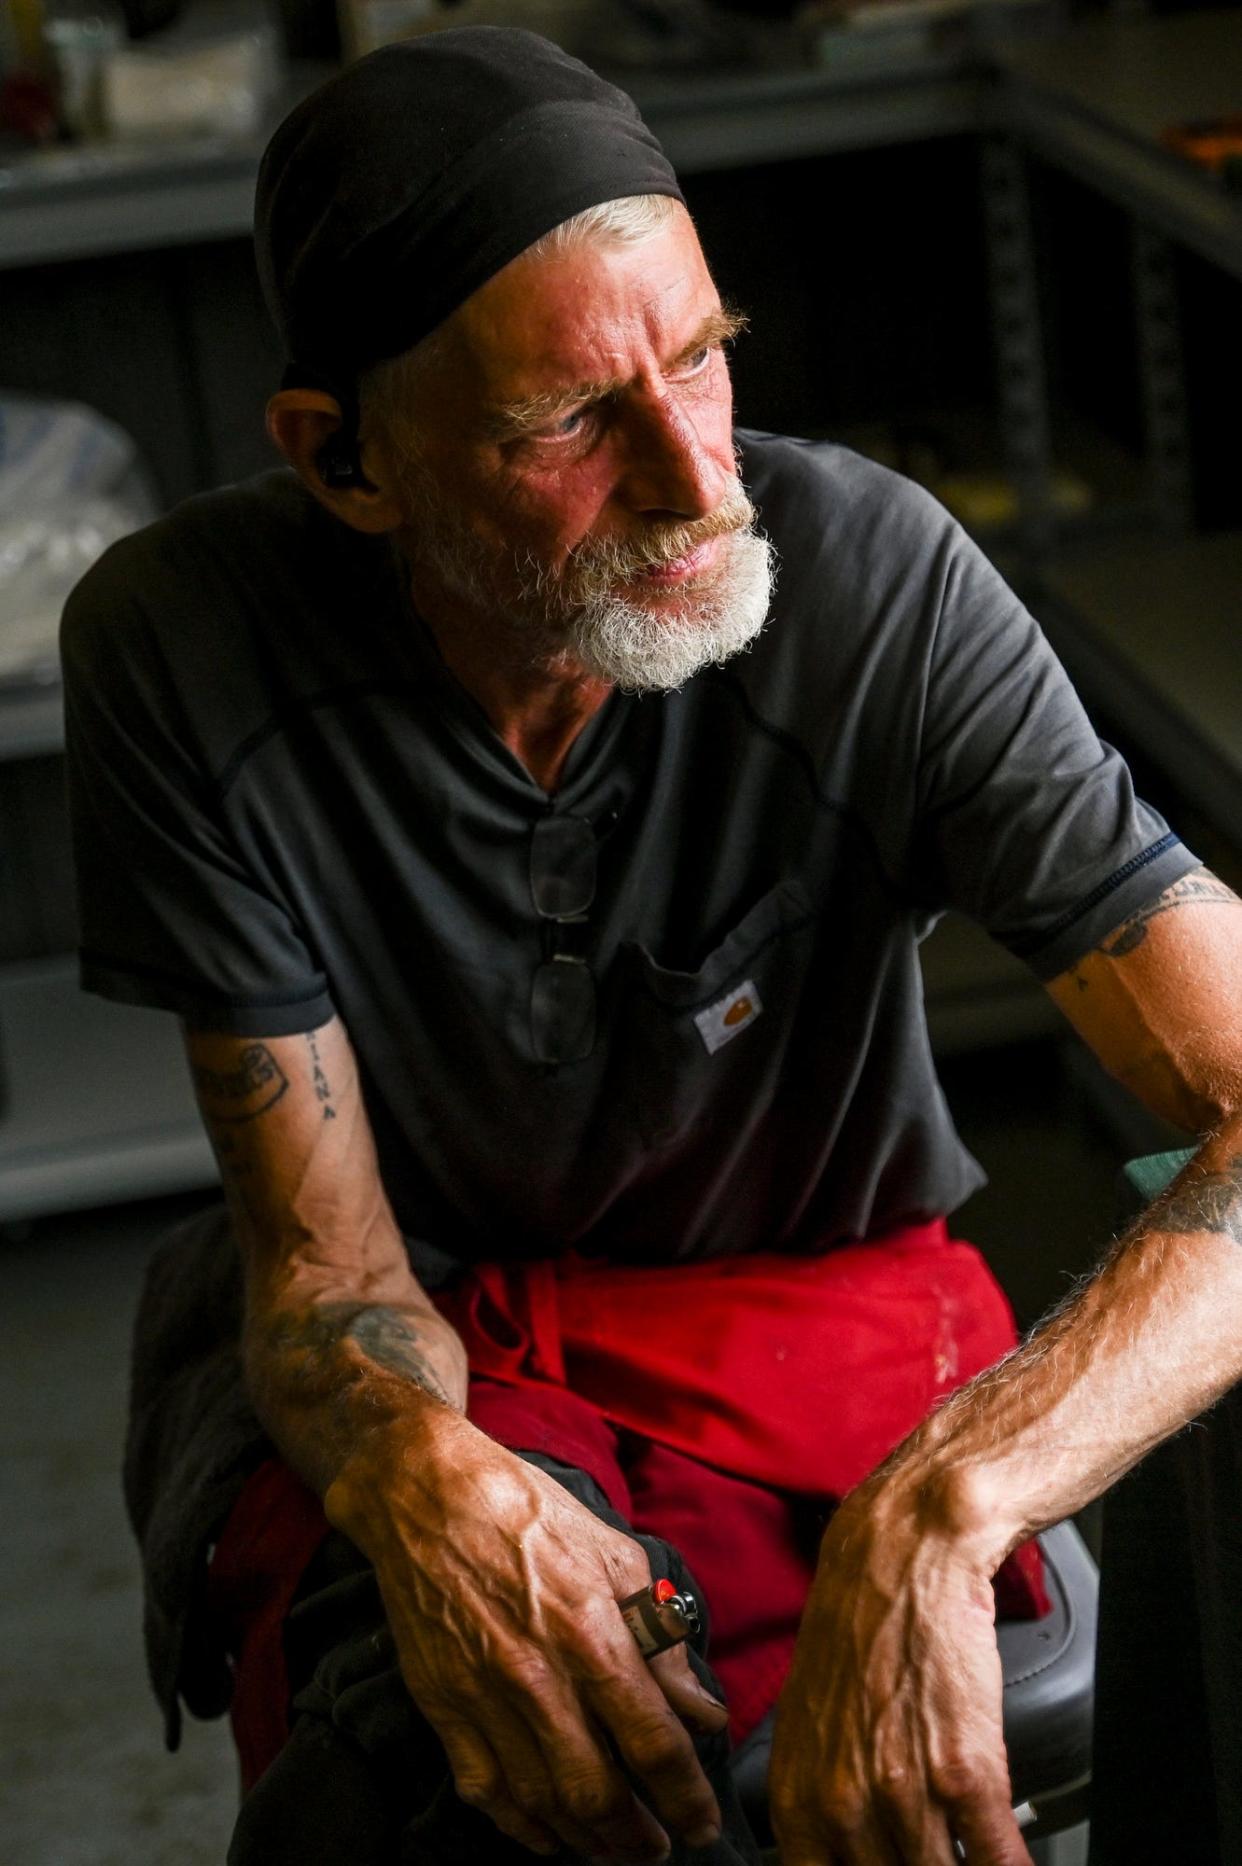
(888,1742)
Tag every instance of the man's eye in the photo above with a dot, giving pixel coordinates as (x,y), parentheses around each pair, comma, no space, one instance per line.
(699,361)
(566,427)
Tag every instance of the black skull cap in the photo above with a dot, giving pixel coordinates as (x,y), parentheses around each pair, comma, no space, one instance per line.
(413,176)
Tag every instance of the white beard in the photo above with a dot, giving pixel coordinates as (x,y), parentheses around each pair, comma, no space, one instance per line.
(643,651)
(574,617)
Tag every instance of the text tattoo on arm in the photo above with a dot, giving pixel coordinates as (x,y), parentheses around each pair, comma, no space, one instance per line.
(319,1081)
(1199,888)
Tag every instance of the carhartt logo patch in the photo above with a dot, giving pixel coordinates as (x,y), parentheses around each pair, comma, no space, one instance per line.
(720,1022)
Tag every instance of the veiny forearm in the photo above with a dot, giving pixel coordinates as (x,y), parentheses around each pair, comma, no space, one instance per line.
(347,1360)
(1149,1343)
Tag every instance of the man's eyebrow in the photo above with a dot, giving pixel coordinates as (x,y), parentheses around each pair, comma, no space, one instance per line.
(718,327)
(510,420)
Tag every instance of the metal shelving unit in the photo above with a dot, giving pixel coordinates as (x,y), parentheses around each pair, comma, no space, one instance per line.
(134,197)
(1147,625)
(1096,101)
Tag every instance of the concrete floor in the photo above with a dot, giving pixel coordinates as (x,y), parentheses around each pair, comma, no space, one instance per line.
(86,1781)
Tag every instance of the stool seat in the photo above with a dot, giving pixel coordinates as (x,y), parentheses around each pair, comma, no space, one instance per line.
(1048,1667)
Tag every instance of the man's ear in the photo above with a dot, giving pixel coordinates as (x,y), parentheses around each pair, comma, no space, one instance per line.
(307,425)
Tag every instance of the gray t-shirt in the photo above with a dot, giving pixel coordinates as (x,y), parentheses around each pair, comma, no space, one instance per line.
(285,806)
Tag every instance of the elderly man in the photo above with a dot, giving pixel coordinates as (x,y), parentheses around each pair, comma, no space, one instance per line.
(549,974)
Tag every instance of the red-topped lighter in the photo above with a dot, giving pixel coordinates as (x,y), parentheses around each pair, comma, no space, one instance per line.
(660,1617)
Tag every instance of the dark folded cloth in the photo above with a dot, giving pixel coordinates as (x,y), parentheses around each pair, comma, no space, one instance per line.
(193,1440)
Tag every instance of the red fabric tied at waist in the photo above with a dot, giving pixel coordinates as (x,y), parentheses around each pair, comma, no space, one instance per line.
(797,1372)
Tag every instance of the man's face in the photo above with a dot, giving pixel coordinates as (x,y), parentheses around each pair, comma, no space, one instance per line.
(574,473)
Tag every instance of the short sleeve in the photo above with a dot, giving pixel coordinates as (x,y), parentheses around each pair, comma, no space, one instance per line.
(169,914)
(1025,819)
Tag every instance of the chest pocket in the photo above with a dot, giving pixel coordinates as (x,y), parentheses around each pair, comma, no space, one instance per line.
(705,1047)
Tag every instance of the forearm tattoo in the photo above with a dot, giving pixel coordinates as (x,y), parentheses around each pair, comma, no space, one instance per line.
(1199,888)
(387,1337)
(1209,1202)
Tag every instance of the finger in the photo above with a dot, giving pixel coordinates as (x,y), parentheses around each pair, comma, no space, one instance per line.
(978,1805)
(989,1834)
(916,1826)
(686,1694)
(533,1785)
(591,1792)
(916,1831)
(867,1846)
(655,1747)
(827,1828)
(479,1781)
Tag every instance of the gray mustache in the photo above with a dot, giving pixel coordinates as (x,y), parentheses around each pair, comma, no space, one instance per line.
(661,544)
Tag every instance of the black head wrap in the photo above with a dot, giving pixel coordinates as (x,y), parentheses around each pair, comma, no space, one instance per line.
(412,177)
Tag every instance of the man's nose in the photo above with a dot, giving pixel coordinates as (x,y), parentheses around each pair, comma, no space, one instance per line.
(668,468)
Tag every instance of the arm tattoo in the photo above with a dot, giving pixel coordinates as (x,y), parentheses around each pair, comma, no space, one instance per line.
(244,1093)
(386,1336)
(323,1094)
(1199,888)
(1212,1202)
(391,1341)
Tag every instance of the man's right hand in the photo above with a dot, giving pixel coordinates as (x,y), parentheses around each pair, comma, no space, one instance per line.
(501,1591)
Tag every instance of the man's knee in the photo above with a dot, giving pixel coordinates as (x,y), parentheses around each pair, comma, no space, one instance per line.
(320,1800)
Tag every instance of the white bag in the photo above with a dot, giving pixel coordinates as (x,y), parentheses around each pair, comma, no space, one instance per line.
(71,483)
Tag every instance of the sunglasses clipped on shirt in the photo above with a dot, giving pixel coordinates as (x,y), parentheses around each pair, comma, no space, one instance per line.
(562,887)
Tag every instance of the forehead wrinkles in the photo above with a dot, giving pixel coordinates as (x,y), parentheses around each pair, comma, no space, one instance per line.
(588,320)
(521,414)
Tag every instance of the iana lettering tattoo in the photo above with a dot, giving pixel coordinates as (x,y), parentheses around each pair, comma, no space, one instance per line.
(323,1094)
(1199,888)
(1210,1202)
(244,1093)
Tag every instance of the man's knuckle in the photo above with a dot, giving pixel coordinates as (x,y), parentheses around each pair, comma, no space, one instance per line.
(635,1568)
(957,1777)
(894,1784)
(476,1787)
(657,1748)
(845,1813)
(534,1797)
(589,1798)
(591,1654)
(784,1807)
(528,1676)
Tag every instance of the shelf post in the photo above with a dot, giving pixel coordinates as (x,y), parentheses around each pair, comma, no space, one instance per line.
(1018,331)
(1162,371)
